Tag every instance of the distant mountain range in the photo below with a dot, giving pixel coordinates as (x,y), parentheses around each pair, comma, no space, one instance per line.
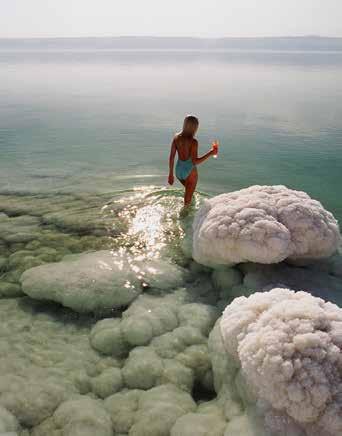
(291,43)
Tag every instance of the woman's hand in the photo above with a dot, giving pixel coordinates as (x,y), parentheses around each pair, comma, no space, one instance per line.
(171,179)
(214,147)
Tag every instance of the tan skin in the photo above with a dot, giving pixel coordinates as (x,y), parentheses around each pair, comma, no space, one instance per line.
(186,146)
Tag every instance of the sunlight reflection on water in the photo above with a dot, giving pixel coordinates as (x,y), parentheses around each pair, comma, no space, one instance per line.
(153,228)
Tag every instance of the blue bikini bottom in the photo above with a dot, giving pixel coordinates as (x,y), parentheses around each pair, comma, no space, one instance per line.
(184,168)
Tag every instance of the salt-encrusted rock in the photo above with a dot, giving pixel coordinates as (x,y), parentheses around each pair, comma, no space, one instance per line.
(199,425)
(164,340)
(8,422)
(99,281)
(82,416)
(151,412)
(289,347)
(30,401)
(263,224)
(107,383)
(46,359)
(150,317)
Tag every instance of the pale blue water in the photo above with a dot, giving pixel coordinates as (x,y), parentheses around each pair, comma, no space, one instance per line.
(102,121)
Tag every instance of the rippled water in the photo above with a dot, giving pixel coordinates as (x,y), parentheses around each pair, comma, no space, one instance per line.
(84,142)
(103,121)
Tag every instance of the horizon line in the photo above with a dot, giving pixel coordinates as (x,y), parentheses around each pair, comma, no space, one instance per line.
(174,37)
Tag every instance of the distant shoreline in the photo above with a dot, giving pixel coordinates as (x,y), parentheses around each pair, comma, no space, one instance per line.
(288,43)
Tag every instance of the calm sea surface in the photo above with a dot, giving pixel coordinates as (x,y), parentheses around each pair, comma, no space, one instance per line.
(102,121)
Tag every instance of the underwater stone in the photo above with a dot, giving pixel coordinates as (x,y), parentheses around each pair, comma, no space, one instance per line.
(45,358)
(78,417)
(106,337)
(30,401)
(143,368)
(3,263)
(10,290)
(332,265)
(199,425)
(159,408)
(11,276)
(176,373)
(224,279)
(21,229)
(8,422)
(122,408)
(148,413)
(265,277)
(149,317)
(107,383)
(175,338)
(241,425)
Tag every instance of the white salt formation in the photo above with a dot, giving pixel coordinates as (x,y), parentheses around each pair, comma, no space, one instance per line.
(164,340)
(148,413)
(45,359)
(31,234)
(99,281)
(82,416)
(263,224)
(156,365)
(289,347)
(8,422)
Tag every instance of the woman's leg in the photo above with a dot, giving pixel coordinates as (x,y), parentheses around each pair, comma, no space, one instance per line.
(190,186)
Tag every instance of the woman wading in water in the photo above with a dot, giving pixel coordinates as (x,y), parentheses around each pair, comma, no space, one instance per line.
(186,145)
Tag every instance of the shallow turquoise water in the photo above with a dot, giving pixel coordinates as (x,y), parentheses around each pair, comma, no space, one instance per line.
(99,121)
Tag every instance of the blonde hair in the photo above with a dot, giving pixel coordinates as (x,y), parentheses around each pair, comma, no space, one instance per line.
(190,124)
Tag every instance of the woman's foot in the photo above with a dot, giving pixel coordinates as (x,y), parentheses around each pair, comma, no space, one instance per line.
(184,212)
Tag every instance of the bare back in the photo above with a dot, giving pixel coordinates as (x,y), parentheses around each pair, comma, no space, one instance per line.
(184,146)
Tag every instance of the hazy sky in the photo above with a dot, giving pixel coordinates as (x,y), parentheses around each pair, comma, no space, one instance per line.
(25,18)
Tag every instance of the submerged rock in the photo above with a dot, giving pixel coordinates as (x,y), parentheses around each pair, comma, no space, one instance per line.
(99,281)
(108,382)
(148,413)
(45,359)
(83,416)
(164,340)
(319,283)
(10,290)
(199,424)
(8,422)
(147,317)
(21,229)
(31,401)
(263,224)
